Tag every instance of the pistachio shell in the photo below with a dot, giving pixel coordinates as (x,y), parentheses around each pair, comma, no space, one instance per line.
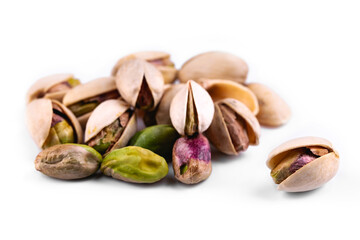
(273,110)
(203,104)
(163,112)
(214,65)
(130,77)
(220,89)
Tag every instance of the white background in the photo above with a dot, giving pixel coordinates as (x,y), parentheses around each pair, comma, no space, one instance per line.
(307,51)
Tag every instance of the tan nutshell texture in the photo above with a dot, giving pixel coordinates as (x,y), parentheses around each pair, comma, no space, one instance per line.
(273,110)
(214,65)
(163,112)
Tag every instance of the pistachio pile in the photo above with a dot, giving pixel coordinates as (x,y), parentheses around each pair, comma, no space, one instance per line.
(82,128)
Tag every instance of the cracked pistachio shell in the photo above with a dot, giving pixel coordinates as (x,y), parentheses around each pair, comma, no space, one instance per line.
(218,133)
(68,161)
(214,65)
(203,104)
(40,87)
(129,79)
(314,174)
(39,117)
(134,164)
(168,71)
(220,89)
(105,114)
(163,112)
(273,110)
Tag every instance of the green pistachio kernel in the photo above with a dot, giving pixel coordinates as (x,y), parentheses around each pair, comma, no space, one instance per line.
(73,82)
(80,109)
(65,132)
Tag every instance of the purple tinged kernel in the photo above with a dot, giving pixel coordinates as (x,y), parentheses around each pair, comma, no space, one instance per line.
(301,161)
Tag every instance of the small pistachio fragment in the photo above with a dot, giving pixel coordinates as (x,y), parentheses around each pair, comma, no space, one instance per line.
(68,161)
(192,159)
(273,110)
(134,164)
(159,138)
(140,84)
(303,164)
(214,65)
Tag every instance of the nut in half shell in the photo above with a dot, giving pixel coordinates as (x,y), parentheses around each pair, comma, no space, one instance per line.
(140,84)
(233,128)
(161,60)
(303,164)
(51,123)
(214,65)
(191,110)
(110,126)
(52,87)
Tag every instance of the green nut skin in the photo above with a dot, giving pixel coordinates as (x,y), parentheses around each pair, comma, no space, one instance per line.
(134,164)
(159,138)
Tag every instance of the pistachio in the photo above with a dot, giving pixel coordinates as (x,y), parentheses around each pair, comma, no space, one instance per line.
(140,84)
(163,112)
(214,65)
(134,164)
(192,159)
(273,110)
(303,164)
(68,161)
(160,139)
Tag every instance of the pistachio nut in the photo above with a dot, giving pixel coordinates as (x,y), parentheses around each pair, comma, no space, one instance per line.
(273,110)
(110,126)
(214,65)
(83,99)
(220,89)
(52,87)
(134,164)
(159,138)
(51,123)
(68,161)
(192,159)
(140,84)
(233,128)
(191,110)
(161,60)
(303,164)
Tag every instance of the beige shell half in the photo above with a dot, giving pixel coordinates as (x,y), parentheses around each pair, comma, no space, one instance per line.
(90,89)
(169,73)
(40,87)
(203,104)
(313,174)
(273,110)
(214,65)
(39,117)
(218,133)
(163,112)
(130,76)
(220,89)
(105,114)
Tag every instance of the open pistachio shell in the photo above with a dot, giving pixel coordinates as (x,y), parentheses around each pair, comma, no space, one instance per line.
(218,132)
(273,110)
(161,60)
(312,175)
(130,79)
(214,65)
(163,112)
(39,114)
(202,102)
(220,89)
(40,88)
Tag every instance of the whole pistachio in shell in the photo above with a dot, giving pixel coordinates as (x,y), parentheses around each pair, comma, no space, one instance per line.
(303,164)
(233,128)
(191,110)
(140,84)
(51,123)
(68,161)
(273,110)
(52,87)
(214,65)
(110,126)
(220,89)
(192,159)
(161,60)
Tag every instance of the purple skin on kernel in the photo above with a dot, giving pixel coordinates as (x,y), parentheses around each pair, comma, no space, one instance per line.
(303,159)
(192,148)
